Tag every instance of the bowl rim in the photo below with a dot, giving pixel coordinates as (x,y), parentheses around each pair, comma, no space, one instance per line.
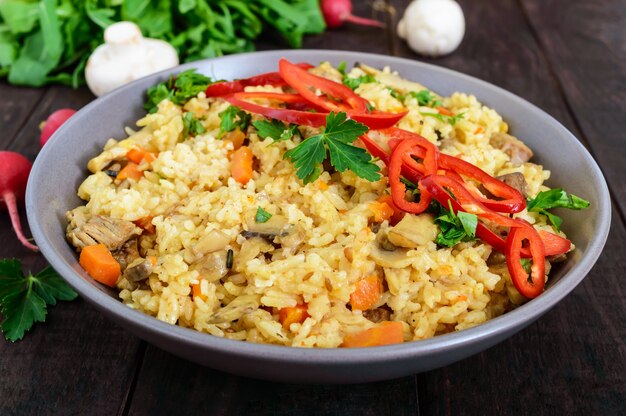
(524,314)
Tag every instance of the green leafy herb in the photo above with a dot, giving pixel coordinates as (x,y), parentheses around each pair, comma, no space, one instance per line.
(276,129)
(335,139)
(23,299)
(178,89)
(262,215)
(49,41)
(444,118)
(455,228)
(426,98)
(555,198)
(353,83)
(191,125)
(232,118)
(342,67)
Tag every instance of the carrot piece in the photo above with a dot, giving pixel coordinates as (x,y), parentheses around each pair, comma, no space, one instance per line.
(236,137)
(444,111)
(385,333)
(136,154)
(130,171)
(382,211)
(290,315)
(241,165)
(98,261)
(145,223)
(479,130)
(398,214)
(366,293)
(196,291)
(322,185)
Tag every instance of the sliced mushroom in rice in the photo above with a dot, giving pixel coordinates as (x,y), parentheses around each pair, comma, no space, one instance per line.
(213,241)
(276,226)
(377,315)
(213,266)
(413,231)
(386,254)
(112,232)
(140,269)
(236,309)
(128,253)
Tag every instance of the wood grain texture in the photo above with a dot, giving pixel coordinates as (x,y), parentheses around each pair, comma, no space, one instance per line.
(16,104)
(78,362)
(585,44)
(170,385)
(571,361)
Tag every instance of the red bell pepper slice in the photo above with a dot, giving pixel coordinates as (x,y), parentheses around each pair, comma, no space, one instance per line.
(530,285)
(376,120)
(336,97)
(554,244)
(220,89)
(398,160)
(301,118)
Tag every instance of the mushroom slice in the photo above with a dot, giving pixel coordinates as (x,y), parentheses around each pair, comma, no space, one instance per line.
(105,158)
(112,232)
(128,253)
(515,148)
(386,254)
(392,80)
(377,315)
(140,269)
(276,226)
(209,243)
(236,309)
(413,231)
(212,267)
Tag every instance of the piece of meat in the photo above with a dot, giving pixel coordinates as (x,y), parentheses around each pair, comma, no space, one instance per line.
(128,253)
(138,270)
(377,315)
(112,232)
(515,148)
(515,180)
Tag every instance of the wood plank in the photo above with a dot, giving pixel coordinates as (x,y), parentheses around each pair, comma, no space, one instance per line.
(572,360)
(584,43)
(16,104)
(77,362)
(171,385)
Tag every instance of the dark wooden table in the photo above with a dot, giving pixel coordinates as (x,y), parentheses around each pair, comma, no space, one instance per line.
(567,57)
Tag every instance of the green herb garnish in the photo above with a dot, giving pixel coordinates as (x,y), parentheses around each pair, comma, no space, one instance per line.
(455,227)
(555,198)
(191,125)
(353,83)
(232,118)
(23,299)
(262,215)
(335,139)
(178,89)
(444,118)
(276,130)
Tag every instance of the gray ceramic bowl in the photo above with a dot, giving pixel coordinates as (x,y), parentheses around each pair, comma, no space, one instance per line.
(61,167)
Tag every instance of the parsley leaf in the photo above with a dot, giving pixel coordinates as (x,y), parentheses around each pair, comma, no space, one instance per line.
(178,89)
(444,118)
(232,118)
(276,129)
(426,98)
(455,227)
(342,67)
(353,83)
(335,139)
(262,215)
(191,125)
(555,198)
(23,299)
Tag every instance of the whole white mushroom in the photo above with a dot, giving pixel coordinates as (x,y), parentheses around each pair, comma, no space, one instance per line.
(432,27)
(126,56)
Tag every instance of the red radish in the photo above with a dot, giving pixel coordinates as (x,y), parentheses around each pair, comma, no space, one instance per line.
(336,12)
(14,171)
(53,122)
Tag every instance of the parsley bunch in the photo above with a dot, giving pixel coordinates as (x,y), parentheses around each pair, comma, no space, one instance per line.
(276,129)
(455,228)
(178,89)
(335,139)
(24,299)
(191,126)
(233,118)
(555,198)
(353,83)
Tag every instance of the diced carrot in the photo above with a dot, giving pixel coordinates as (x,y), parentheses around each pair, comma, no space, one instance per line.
(130,171)
(98,261)
(366,293)
(290,315)
(398,214)
(149,157)
(479,130)
(382,211)
(196,291)
(444,111)
(322,185)
(241,165)
(153,260)
(236,137)
(461,298)
(384,334)
(145,223)
(137,154)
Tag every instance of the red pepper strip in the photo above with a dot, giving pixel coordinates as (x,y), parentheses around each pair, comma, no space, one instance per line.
(342,97)
(398,189)
(286,98)
(424,149)
(512,199)
(553,244)
(531,285)
(377,151)
(376,119)
(301,118)
(220,89)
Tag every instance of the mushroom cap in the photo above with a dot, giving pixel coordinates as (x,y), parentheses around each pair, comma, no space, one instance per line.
(432,27)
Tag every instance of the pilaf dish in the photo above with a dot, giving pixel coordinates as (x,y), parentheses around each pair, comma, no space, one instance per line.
(318,207)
